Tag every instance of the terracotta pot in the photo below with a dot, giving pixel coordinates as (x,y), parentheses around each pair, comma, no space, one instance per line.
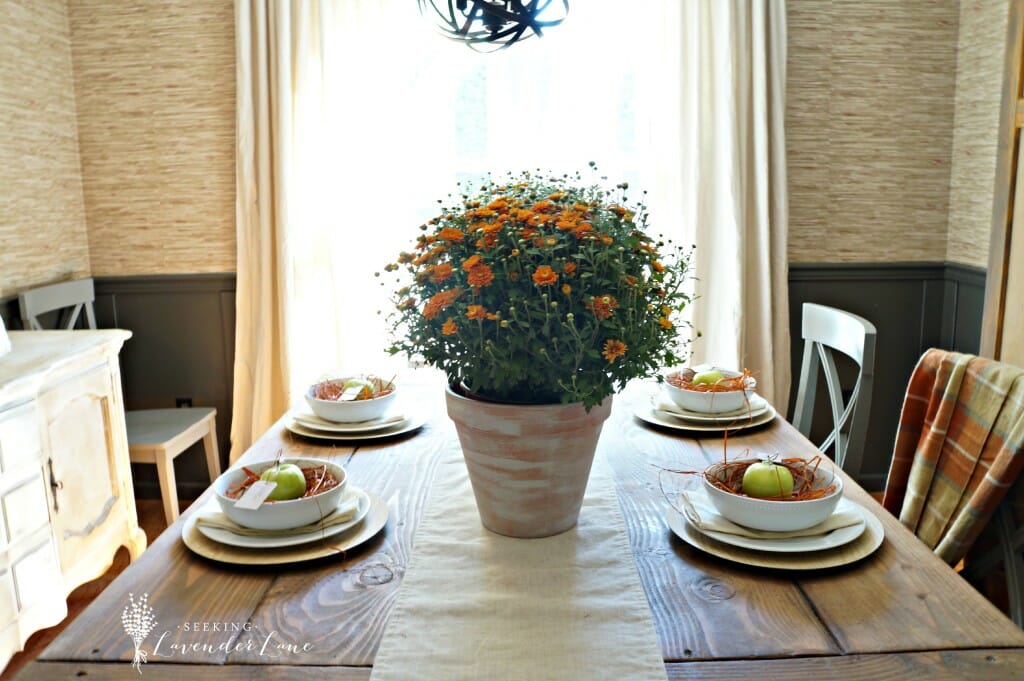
(528,464)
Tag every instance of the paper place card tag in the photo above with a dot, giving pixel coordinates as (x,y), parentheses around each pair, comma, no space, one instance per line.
(351,393)
(255,495)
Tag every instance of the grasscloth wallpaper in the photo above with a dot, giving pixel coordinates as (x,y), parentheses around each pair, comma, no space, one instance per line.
(980,63)
(890,147)
(870,129)
(42,220)
(155,86)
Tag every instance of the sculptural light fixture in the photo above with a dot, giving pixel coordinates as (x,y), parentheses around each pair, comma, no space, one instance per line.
(491,25)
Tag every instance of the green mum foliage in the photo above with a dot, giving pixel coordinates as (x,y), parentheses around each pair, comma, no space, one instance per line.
(541,289)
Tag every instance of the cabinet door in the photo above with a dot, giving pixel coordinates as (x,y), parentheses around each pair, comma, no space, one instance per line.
(87,460)
(31,586)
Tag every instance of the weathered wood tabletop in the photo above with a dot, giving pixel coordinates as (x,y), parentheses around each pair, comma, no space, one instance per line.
(898,614)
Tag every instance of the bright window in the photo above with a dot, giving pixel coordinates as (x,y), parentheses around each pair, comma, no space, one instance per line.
(404,114)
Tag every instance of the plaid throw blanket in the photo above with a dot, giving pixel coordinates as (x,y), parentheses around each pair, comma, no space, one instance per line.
(958,449)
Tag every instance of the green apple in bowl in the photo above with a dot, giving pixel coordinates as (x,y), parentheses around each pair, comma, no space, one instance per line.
(357,383)
(767,479)
(710,377)
(291,482)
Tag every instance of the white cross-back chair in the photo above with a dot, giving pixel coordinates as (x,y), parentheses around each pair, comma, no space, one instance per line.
(827,330)
(155,436)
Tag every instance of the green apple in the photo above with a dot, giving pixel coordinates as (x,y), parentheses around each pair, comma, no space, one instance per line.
(767,479)
(709,377)
(291,482)
(359,383)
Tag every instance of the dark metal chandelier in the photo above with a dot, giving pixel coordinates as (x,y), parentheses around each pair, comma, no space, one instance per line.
(491,25)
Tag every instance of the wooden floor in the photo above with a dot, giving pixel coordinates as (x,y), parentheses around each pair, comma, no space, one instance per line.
(151,519)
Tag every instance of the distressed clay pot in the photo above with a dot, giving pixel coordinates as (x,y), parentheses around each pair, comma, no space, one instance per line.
(528,463)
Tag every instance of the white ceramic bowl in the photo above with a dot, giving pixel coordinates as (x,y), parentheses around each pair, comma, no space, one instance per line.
(280,515)
(706,402)
(774,515)
(351,411)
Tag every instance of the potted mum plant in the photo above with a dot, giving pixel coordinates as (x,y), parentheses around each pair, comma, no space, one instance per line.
(539,297)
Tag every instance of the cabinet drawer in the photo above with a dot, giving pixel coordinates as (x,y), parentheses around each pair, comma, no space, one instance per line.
(20,441)
(24,508)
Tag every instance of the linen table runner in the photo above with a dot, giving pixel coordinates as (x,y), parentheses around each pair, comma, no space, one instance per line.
(478,606)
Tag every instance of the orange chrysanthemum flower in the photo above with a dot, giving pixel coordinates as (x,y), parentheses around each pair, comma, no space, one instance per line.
(657,266)
(665,322)
(440,301)
(603,306)
(451,234)
(570,267)
(544,276)
(440,273)
(566,289)
(480,275)
(450,327)
(613,349)
(470,262)
(476,312)
(487,242)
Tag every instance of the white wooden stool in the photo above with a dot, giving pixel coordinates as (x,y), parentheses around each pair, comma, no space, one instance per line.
(159,435)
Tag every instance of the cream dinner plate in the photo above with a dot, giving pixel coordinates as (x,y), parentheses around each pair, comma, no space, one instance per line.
(310,420)
(372,523)
(231,539)
(861,547)
(758,406)
(407,425)
(822,542)
(646,412)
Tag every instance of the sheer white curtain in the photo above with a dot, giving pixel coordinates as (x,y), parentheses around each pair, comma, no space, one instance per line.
(733,185)
(365,117)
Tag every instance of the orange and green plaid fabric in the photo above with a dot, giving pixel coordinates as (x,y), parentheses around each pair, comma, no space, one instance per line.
(958,448)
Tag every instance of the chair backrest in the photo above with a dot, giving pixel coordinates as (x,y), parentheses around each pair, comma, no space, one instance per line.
(955,478)
(69,298)
(827,330)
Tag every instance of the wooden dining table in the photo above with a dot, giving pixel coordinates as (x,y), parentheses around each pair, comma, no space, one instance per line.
(898,613)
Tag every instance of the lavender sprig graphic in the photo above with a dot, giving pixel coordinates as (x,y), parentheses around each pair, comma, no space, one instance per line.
(137,619)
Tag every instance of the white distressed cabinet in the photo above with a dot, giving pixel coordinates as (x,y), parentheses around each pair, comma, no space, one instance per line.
(66,498)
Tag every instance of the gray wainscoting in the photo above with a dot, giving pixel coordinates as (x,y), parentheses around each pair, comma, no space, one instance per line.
(914,306)
(183,342)
(182,349)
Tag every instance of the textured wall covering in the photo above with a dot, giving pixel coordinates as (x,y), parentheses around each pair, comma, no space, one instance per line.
(42,221)
(869,127)
(155,86)
(979,83)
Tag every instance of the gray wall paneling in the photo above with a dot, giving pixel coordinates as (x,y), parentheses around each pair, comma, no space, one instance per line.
(914,307)
(182,346)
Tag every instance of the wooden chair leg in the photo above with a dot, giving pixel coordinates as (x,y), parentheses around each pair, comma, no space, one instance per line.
(168,487)
(212,453)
